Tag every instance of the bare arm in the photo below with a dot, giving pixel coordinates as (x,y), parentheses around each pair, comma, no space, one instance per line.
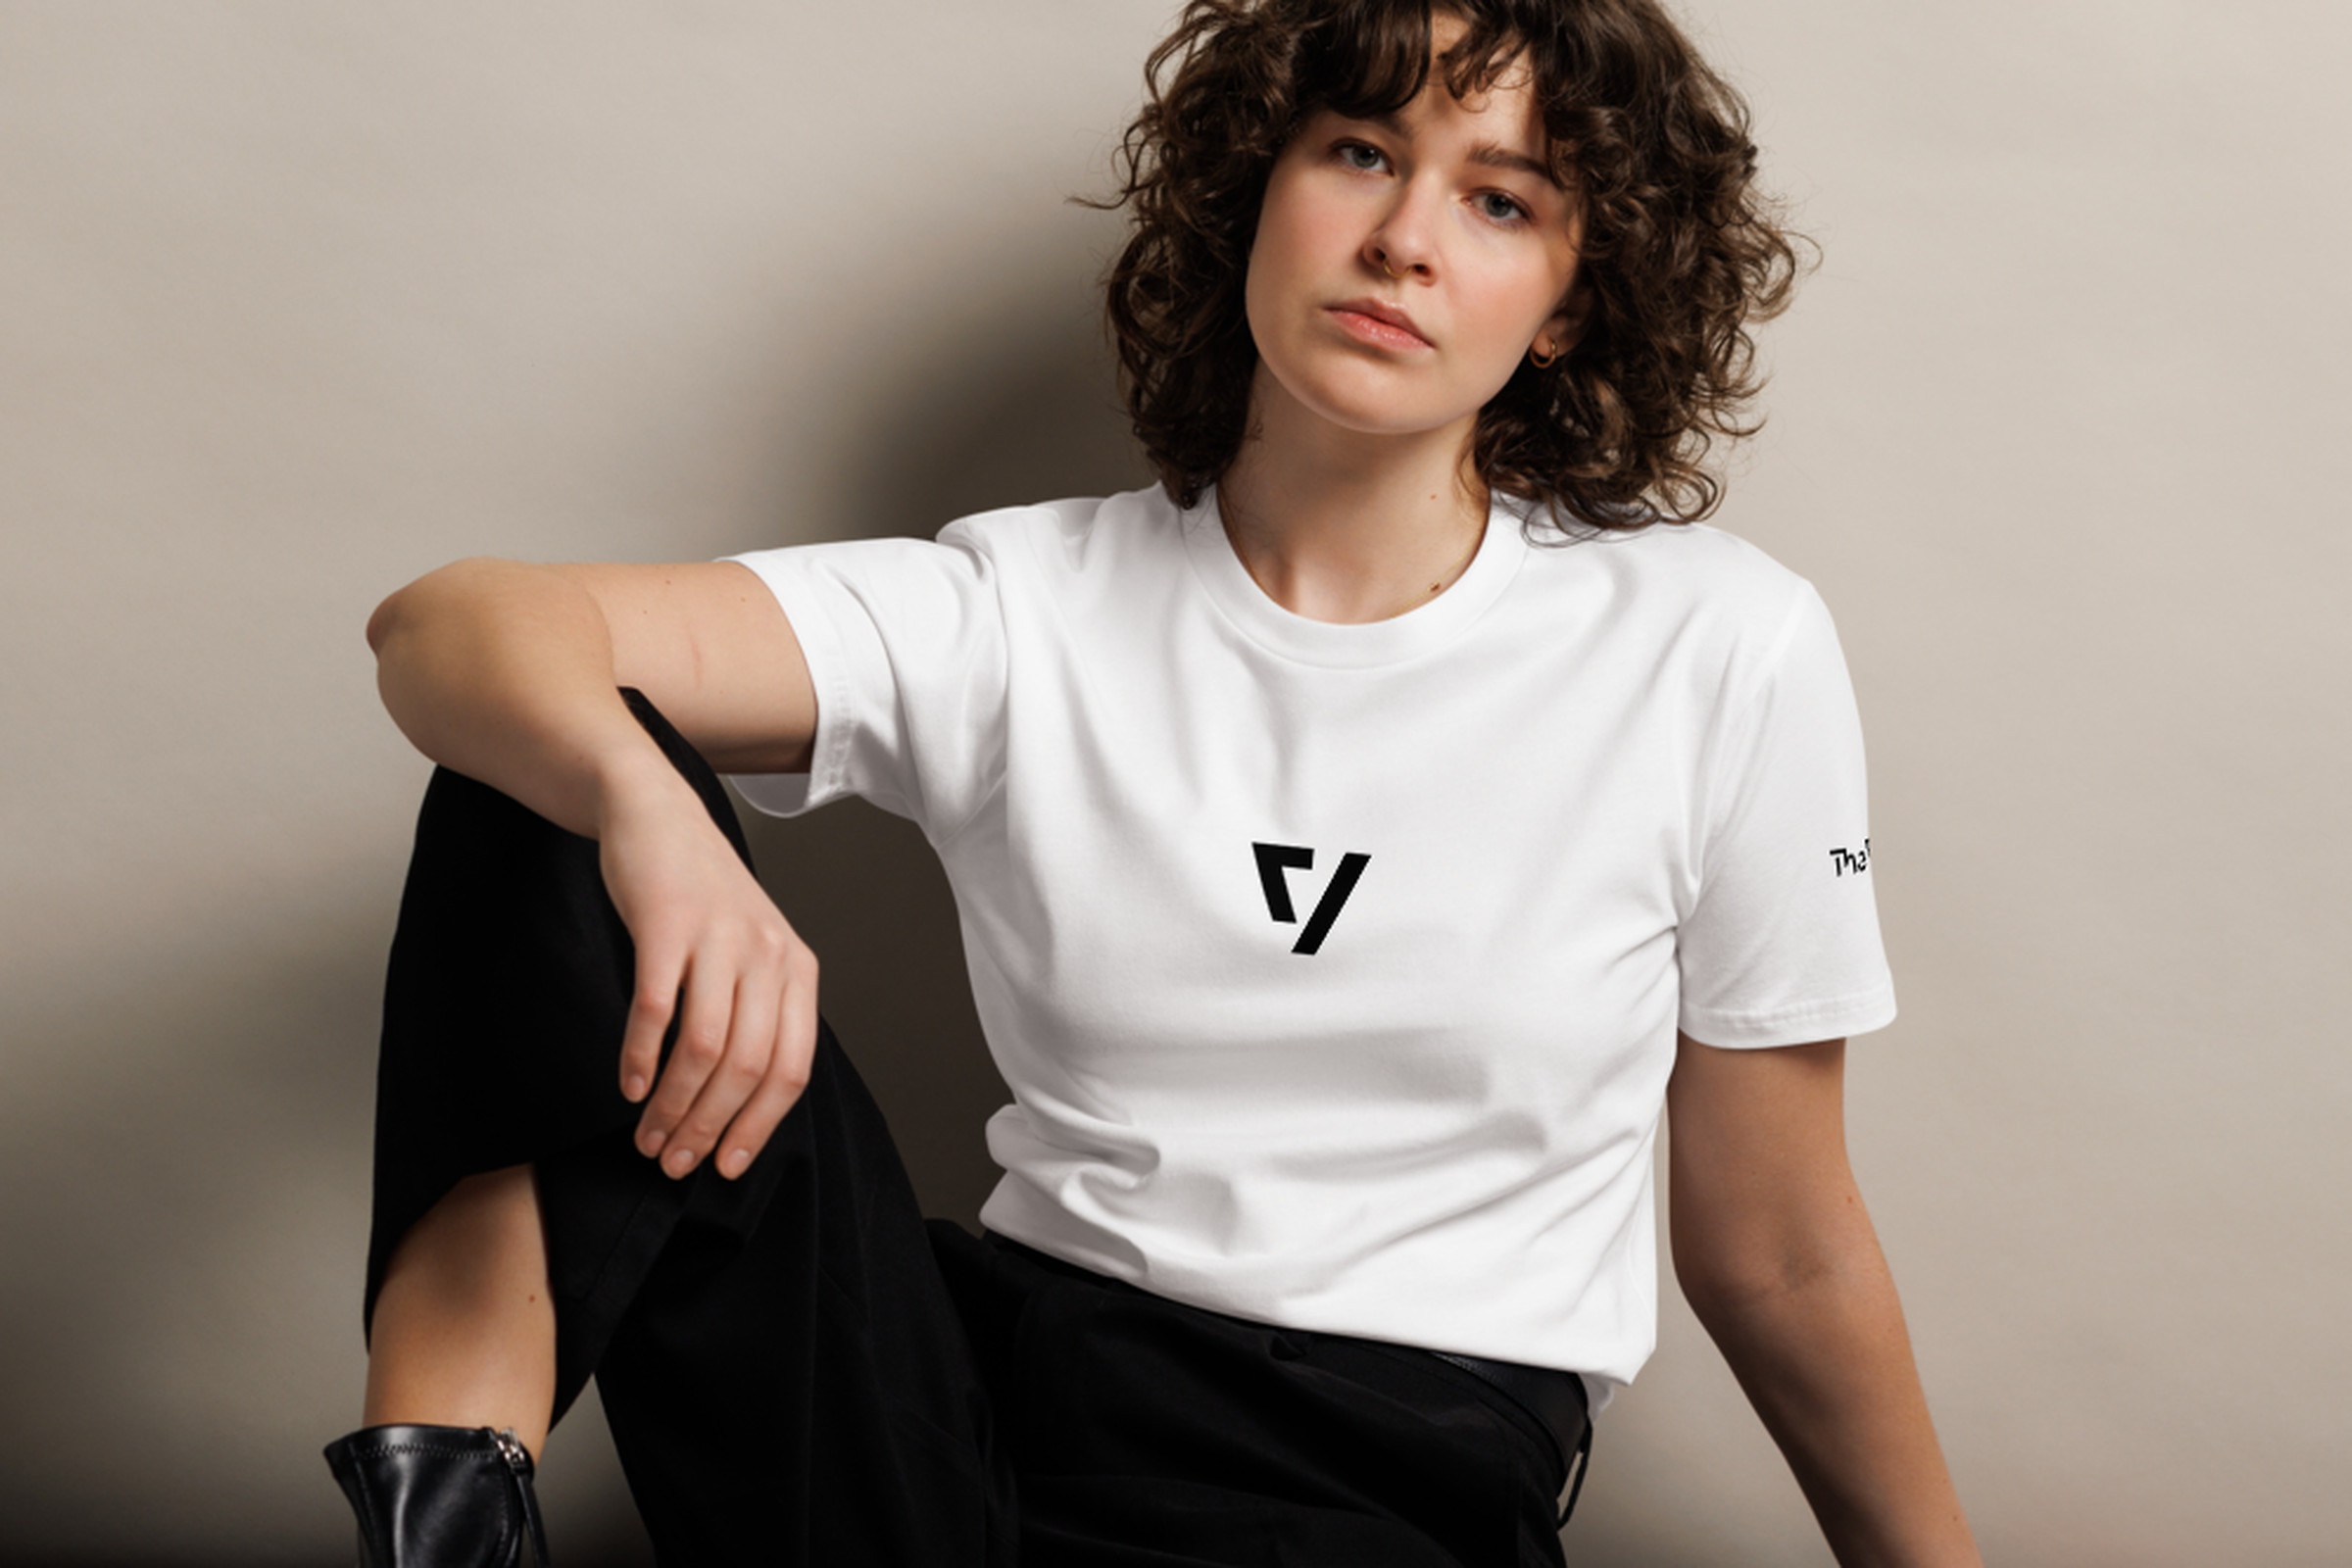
(510,673)
(1778,1258)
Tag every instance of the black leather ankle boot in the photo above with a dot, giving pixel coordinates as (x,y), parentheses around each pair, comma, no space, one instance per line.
(439,1497)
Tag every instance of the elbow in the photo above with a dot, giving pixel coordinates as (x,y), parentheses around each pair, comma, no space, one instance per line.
(1742,1309)
(1720,1294)
(381,621)
(404,605)
(1744,1284)
(1730,1272)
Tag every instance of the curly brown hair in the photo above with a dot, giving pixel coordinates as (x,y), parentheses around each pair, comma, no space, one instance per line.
(1681,253)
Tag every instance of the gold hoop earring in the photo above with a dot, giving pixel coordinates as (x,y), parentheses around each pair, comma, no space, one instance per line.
(1543,361)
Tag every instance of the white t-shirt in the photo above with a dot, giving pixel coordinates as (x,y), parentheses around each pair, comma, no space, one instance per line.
(1336,969)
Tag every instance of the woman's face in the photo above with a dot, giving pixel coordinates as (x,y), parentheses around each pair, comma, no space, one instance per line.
(1403,266)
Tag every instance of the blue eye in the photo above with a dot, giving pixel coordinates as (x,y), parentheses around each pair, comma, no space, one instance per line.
(1356,155)
(1500,207)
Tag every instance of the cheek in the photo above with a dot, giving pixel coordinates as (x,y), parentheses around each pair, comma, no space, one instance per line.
(1516,312)
(1301,222)
(1257,286)
(1496,338)
(1275,258)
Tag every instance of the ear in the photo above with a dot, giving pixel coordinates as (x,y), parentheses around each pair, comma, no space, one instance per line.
(1565,328)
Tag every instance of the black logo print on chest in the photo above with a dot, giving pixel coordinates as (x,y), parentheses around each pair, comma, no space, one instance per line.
(1854,861)
(1275,861)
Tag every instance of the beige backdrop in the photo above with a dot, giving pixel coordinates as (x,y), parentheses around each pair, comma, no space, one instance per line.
(299,299)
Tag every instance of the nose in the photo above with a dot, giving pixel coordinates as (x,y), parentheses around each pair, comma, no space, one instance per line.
(1402,246)
(1387,262)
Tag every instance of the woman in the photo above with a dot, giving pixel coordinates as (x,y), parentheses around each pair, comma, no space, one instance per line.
(1359,838)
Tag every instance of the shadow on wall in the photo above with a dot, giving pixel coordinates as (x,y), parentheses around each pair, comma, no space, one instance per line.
(1034,418)
(183,1180)
(183,1189)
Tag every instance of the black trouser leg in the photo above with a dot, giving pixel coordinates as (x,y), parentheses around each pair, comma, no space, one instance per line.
(785,1376)
(793,1386)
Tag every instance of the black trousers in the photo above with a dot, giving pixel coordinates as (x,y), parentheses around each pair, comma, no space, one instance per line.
(798,1370)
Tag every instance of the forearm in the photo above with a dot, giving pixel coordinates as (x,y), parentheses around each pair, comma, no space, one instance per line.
(1825,1358)
(505,672)
(510,674)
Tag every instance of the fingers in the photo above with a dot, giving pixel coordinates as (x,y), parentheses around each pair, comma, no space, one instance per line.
(650,1011)
(705,1009)
(779,1089)
(740,1069)
(741,1058)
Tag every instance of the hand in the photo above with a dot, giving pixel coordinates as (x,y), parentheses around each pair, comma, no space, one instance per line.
(713,948)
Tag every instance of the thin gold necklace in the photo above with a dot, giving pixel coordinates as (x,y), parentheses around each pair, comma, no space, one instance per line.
(1233,535)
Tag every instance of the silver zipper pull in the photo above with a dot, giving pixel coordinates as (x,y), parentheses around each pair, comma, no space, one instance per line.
(518,1465)
(511,1449)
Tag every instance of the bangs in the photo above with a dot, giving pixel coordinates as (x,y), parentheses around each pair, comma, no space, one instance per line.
(1373,57)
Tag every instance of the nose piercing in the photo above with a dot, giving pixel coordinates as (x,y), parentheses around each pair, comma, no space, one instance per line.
(1385,268)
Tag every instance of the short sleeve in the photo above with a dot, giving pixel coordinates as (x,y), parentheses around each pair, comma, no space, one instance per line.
(904,640)
(1781,944)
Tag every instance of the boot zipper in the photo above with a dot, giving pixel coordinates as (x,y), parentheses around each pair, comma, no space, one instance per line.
(518,1470)
(511,1449)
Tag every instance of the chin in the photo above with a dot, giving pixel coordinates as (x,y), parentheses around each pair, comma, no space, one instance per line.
(1386,423)
(1372,401)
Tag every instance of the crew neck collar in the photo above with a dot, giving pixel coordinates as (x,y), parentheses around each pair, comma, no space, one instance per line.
(1361,645)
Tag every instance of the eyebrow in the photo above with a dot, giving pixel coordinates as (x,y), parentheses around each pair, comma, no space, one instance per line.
(1487,154)
(1491,156)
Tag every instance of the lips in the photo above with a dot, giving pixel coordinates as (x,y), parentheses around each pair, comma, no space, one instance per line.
(1377,321)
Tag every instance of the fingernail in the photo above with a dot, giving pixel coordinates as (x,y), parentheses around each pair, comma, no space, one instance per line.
(680,1161)
(735,1163)
(652,1140)
(635,1086)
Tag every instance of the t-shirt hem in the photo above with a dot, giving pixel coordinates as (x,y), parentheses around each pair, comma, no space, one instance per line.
(1035,1224)
(791,793)
(1838,1018)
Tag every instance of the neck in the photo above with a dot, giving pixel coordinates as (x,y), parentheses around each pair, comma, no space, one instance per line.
(1339,526)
